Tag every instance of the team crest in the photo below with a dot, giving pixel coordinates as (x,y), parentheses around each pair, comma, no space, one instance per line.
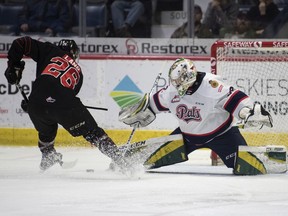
(213,83)
(187,115)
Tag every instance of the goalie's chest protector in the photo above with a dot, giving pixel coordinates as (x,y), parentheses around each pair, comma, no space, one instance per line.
(200,113)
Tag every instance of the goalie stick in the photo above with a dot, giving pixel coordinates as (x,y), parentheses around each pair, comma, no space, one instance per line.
(154,85)
(131,146)
(151,141)
(136,125)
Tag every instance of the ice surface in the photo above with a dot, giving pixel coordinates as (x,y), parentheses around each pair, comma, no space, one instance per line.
(202,190)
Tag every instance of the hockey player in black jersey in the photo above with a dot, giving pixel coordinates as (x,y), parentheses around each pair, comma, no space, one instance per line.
(53,97)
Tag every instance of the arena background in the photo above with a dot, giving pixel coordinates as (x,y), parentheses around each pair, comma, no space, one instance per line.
(111,68)
(107,70)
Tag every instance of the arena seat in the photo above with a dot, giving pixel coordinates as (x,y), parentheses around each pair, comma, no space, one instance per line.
(8,17)
(96,19)
(18,2)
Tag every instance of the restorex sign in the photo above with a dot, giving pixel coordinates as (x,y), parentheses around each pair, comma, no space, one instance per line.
(132,46)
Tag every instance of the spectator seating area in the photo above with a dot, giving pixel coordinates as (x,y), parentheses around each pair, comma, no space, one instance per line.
(8,17)
(161,18)
(98,18)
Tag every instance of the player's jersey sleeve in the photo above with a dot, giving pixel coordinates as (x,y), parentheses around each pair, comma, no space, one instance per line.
(25,46)
(158,101)
(233,100)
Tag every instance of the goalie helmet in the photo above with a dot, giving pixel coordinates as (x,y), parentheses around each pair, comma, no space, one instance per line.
(182,75)
(71,47)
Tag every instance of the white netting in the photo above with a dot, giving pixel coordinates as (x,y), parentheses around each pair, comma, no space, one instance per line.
(260,69)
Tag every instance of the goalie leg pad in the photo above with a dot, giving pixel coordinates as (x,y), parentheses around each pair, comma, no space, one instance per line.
(170,153)
(260,160)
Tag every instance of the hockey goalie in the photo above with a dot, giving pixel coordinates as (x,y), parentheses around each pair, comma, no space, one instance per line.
(208,111)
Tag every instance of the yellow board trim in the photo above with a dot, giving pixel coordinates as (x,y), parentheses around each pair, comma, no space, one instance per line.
(29,137)
(265,138)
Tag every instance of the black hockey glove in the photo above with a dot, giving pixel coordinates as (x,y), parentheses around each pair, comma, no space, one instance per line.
(13,73)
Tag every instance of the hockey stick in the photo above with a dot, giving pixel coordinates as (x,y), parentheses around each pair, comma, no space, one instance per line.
(154,85)
(164,139)
(136,125)
(140,144)
(151,141)
(97,108)
(22,92)
(26,99)
(132,133)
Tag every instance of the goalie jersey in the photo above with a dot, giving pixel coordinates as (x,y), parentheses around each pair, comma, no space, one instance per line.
(208,109)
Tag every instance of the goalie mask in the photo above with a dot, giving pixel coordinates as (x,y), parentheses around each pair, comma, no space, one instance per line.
(182,75)
(71,47)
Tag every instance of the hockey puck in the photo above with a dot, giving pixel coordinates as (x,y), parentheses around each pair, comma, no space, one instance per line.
(89,170)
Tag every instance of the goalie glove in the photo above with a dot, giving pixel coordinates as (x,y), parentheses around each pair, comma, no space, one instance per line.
(255,117)
(139,114)
(13,73)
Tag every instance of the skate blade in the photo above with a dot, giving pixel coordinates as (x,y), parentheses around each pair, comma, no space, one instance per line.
(68,164)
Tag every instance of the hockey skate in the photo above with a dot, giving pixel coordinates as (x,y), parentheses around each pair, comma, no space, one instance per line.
(109,148)
(119,164)
(129,163)
(127,168)
(120,161)
(49,159)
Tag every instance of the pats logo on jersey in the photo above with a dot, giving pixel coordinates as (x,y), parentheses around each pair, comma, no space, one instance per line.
(186,114)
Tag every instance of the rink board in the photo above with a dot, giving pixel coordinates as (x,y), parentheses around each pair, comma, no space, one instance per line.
(29,137)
